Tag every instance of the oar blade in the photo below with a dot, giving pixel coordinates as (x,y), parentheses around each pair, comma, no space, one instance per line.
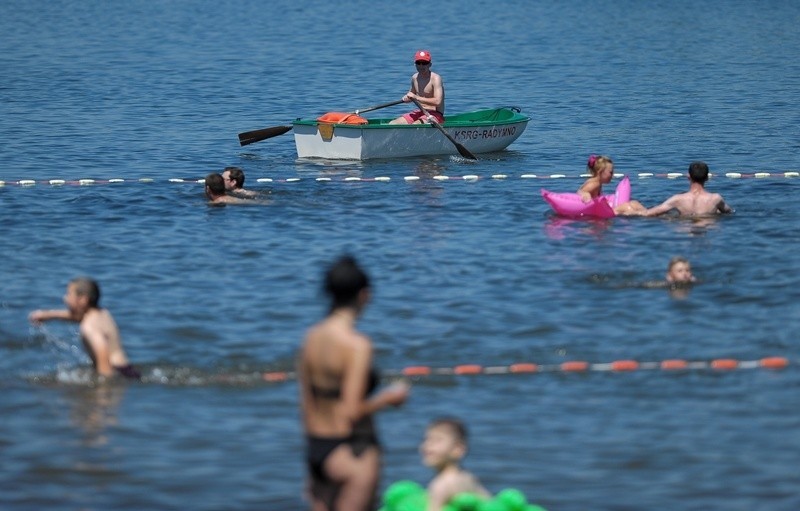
(463,151)
(250,137)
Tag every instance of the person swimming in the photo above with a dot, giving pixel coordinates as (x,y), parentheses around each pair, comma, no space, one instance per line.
(98,329)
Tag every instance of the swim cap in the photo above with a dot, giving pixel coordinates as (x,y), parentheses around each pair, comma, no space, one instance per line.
(422,55)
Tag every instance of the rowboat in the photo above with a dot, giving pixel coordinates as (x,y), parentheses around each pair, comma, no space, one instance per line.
(480,131)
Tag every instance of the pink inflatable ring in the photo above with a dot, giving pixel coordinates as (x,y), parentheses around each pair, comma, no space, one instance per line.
(571,205)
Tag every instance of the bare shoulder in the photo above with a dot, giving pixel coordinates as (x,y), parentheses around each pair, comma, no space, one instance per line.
(92,318)
(444,485)
(245,194)
(359,342)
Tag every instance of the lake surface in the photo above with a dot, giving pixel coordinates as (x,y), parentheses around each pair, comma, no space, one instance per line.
(465,271)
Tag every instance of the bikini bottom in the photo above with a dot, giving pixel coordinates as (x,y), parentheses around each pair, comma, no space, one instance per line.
(129,372)
(317,451)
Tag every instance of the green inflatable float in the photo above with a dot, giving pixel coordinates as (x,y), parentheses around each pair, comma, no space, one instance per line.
(410,496)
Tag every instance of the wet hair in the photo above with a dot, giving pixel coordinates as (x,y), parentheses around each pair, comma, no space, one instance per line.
(84,286)
(237,175)
(456,427)
(344,280)
(676,260)
(698,172)
(596,163)
(215,183)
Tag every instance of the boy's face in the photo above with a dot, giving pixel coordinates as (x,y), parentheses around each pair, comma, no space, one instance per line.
(680,272)
(440,447)
(73,300)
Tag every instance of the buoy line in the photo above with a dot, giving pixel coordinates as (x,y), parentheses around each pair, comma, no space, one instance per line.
(573,366)
(384,179)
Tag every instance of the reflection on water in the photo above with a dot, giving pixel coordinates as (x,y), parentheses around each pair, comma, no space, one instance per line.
(695,226)
(93,409)
(428,168)
(559,228)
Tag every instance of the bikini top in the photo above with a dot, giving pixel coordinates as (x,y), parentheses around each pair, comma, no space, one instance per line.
(336,392)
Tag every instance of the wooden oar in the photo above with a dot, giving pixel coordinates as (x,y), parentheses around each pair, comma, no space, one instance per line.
(258,135)
(376,107)
(463,151)
(250,137)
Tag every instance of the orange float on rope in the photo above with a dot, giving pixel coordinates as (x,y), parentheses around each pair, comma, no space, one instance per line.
(417,371)
(523,368)
(575,366)
(468,369)
(724,364)
(276,376)
(774,362)
(624,365)
(674,364)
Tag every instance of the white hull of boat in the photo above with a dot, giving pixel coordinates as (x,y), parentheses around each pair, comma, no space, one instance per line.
(363,142)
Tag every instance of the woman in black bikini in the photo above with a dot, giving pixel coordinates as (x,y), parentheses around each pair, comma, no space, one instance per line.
(336,382)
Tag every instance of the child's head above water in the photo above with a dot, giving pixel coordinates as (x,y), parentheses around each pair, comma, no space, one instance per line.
(600,164)
(82,293)
(679,271)
(445,443)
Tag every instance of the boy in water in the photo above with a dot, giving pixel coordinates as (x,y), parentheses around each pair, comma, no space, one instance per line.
(443,448)
(679,271)
(678,279)
(98,329)
(697,201)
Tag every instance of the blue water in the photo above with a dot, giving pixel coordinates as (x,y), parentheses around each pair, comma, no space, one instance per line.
(465,271)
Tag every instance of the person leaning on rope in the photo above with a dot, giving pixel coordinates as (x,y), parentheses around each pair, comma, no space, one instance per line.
(697,201)
(233,177)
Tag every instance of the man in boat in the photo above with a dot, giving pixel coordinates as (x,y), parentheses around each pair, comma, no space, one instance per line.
(234,182)
(427,88)
(697,201)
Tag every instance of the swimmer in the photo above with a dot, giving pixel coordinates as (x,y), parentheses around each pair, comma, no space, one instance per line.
(678,279)
(215,191)
(337,398)
(443,448)
(679,271)
(697,201)
(601,170)
(98,329)
(233,178)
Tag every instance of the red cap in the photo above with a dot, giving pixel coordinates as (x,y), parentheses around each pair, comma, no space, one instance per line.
(422,55)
